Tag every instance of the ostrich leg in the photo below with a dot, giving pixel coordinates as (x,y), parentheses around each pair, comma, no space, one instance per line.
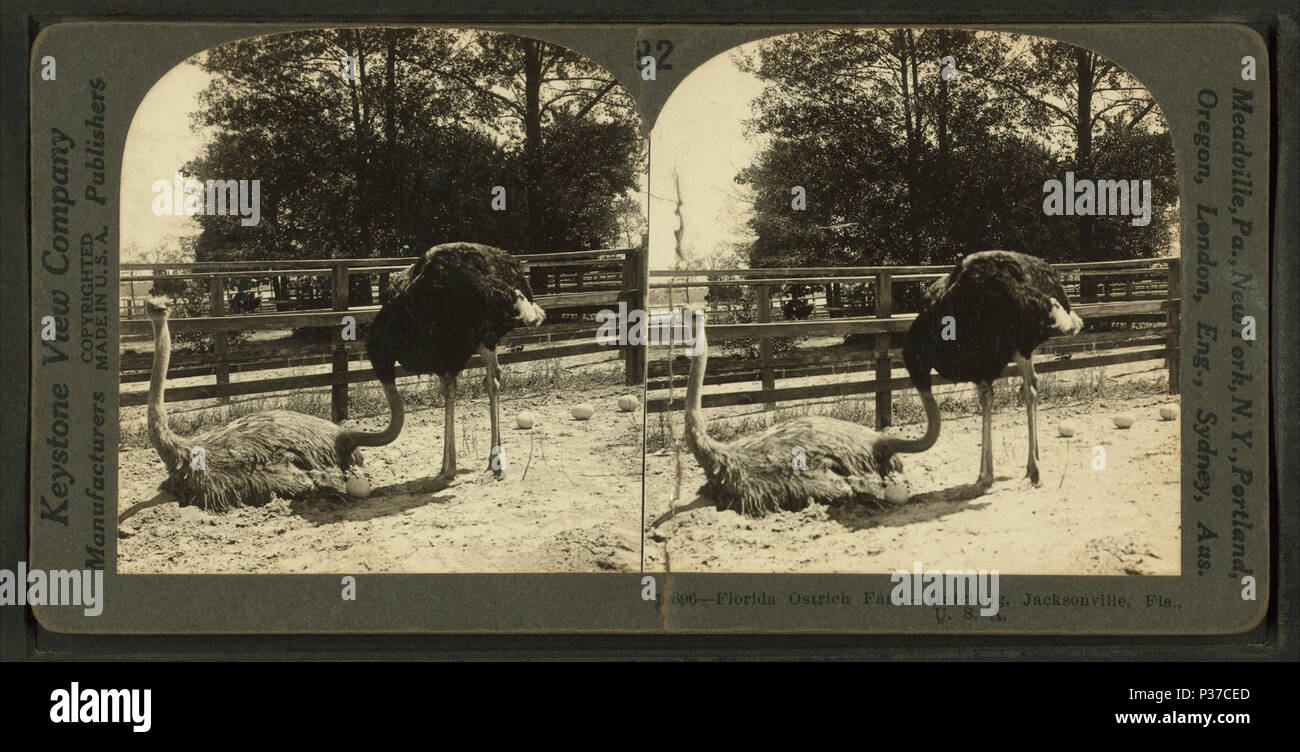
(1026,366)
(448,472)
(986,436)
(492,382)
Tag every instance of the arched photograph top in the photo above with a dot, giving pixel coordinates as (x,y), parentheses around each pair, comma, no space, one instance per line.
(910,146)
(364,270)
(940,273)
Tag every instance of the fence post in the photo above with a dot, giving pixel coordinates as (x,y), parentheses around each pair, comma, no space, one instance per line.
(217,307)
(1173,318)
(764,293)
(884,367)
(339,372)
(634,356)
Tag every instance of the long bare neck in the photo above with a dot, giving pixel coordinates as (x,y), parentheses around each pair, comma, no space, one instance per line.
(165,443)
(697,437)
(896,445)
(396,417)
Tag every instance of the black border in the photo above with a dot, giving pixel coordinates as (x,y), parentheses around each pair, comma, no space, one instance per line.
(1278,638)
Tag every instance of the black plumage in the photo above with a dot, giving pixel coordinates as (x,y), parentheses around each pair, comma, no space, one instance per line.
(995,307)
(456,300)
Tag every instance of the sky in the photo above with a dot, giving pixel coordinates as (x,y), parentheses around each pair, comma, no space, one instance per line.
(159,142)
(699,136)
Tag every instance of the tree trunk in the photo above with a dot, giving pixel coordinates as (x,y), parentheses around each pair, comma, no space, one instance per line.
(909,126)
(941,162)
(395,170)
(532,153)
(1085,64)
(361,196)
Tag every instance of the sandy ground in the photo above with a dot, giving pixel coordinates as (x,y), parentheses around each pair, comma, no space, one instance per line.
(574,506)
(1124,519)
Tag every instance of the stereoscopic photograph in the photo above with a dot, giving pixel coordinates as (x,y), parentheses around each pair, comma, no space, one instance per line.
(623,329)
(934,281)
(362,272)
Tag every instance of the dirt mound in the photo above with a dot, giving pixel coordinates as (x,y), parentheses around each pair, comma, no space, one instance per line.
(577,508)
(1118,518)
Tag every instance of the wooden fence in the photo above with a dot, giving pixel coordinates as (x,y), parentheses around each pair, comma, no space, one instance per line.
(1126,292)
(579,282)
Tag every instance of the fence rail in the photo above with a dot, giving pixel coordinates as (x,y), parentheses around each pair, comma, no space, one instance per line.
(577,282)
(1129,291)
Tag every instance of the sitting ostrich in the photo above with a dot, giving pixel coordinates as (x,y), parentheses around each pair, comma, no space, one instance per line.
(456,300)
(795,462)
(246,461)
(994,307)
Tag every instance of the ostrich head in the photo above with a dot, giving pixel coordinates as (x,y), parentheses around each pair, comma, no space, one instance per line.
(528,313)
(1065,321)
(156,309)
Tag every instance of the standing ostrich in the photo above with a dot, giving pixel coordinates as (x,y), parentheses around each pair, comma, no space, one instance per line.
(994,307)
(248,460)
(456,300)
(795,462)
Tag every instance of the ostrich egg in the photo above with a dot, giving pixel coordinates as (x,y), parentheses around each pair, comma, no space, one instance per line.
(358,487)
(896,493)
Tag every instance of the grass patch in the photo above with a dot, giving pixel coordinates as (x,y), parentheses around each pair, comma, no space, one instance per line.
(366,400)
(1084,385)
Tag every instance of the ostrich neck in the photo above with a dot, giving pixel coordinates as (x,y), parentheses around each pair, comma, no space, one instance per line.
(697,437)
(165,443)
(396,417)
(932,422)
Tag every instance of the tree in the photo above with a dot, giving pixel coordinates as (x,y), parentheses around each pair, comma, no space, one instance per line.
(561,114)
(404,152)
(1110,127)
(904,165)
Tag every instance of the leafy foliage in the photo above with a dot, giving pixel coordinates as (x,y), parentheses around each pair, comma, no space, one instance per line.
(905,166)
(405,154)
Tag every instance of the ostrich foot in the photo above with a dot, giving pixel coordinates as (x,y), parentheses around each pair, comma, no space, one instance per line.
(1031,476)
(985,481)
(491,475)
(443,480)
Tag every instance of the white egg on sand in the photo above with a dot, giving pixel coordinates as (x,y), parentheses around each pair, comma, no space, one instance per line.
(584,411)
(525,420)
(896,493)
(1124,420)
(627,403)
(1066,428)
(358,487)
(1168,412)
